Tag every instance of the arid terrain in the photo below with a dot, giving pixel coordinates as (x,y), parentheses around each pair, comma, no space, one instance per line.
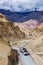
(17,34)
(8,33)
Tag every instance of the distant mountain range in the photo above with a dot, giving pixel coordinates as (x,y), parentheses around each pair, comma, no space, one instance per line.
(32,15)
(22,16)
(13,16)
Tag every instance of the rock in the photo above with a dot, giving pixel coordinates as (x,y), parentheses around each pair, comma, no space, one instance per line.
(13,58)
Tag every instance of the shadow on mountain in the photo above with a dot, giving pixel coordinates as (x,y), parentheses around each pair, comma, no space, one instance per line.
(22,16)
(13,58)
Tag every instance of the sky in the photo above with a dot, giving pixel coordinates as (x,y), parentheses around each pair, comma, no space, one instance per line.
(21,5)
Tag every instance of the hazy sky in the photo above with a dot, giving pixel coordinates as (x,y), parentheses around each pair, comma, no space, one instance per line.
(21,5)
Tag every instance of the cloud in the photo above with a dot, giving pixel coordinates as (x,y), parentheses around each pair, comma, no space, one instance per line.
(21,5)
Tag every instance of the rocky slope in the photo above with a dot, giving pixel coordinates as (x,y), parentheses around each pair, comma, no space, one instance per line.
(7,55)
(29,26)
(34,31)
(8,32)
(36,45)
(4,52)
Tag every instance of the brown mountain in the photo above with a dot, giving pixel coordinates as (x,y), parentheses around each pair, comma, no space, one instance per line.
(36,44)
(29,26)
(38,31)
(8,32)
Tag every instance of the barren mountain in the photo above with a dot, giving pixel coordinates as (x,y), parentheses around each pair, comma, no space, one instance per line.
(35,15)
(29,26)
(22,16)
(35,30)
(38,31)
(36,45)
(8,32)
(7,55)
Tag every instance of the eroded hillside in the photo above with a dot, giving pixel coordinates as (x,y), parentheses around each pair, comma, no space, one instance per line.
(8,32)
(34,31)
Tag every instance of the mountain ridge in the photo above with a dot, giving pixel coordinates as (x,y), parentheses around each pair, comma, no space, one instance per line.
(9,30)
(16,16)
